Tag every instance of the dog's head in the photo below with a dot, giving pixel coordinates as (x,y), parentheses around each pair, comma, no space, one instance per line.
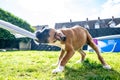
(49,35)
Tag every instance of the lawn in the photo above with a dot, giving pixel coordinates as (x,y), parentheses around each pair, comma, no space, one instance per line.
(37,65)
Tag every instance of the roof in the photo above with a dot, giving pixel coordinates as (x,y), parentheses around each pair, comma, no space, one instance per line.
(91,23)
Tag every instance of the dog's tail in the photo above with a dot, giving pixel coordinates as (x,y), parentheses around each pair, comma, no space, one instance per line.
(91,43)
(89,37)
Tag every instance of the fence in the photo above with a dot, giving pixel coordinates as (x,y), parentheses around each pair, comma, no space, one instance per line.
(43,47)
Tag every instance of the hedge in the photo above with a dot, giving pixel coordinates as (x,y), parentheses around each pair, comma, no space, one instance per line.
(6,35)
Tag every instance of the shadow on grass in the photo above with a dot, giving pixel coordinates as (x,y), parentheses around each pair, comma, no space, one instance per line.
(90,71)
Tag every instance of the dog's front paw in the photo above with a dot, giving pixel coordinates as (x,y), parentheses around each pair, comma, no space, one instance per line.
(106,67)
(58,69)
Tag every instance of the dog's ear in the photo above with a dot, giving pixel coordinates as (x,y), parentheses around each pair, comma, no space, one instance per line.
(43,28)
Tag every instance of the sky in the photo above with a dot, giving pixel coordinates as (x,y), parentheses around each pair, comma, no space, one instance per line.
(49,12)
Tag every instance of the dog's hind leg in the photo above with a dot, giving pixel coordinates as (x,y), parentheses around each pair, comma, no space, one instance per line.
(93,45)
(83,54)
(101,59)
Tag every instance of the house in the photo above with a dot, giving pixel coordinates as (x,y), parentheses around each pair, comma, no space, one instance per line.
(93,24)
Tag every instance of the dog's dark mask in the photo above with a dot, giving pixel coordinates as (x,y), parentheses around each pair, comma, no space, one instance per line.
(43,35)
(49,35)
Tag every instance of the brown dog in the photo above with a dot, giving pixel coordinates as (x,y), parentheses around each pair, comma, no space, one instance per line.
(73,39)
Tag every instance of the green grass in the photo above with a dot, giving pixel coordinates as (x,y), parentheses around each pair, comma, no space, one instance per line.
(37,65)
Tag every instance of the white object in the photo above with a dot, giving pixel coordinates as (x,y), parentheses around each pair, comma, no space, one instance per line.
(108,37)
(58,69)
(17,31)
(107,67)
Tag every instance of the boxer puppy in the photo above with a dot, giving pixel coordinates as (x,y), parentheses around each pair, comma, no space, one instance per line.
(73,39)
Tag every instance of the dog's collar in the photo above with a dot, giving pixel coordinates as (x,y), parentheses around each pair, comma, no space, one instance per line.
(55,36)
(59,36)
